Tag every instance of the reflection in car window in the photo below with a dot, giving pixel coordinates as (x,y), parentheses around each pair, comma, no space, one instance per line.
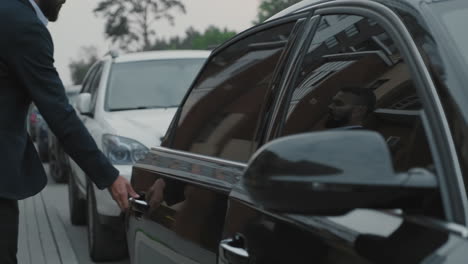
(150,84)
(221,115)
(359,82)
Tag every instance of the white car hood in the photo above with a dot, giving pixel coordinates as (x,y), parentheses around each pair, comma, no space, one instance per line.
(146,126)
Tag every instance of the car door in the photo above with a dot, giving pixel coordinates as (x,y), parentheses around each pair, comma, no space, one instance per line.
(356,72)
(214,134)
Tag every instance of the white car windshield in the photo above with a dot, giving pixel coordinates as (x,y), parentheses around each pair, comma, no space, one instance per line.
(150,84)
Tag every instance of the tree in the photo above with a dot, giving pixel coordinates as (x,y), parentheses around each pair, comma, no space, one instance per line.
(130,22)
(193,39)
(268,8)
(212,36)
(78,68)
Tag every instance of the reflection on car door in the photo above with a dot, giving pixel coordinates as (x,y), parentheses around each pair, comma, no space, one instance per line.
(215,134)
(352,76)
(187,227)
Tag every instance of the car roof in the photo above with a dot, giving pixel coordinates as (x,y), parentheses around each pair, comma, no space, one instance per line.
(306,3)
(162,55)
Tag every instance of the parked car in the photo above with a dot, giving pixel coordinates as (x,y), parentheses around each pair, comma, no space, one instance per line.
(335,132)
(59,166)
(127,103)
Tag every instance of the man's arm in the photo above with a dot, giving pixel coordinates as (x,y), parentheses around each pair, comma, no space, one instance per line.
(31,60)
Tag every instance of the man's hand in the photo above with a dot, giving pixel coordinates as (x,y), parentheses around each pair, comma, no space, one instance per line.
(121,190)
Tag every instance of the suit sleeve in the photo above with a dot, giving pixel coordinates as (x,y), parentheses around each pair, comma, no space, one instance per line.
(31,60)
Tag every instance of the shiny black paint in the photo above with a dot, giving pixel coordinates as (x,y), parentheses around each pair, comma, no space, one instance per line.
(349,169)
(218,207)
(191,221)
(448,74)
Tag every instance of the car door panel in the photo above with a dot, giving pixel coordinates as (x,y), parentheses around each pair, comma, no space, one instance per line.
(218,121)
(191,220)
(359,236)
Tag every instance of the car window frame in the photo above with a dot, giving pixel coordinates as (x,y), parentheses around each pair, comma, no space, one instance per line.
(293,63)
(88,78)
(168,140)
(95,84)
(434,121)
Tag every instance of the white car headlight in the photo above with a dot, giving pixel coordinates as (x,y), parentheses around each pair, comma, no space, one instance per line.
(123,151)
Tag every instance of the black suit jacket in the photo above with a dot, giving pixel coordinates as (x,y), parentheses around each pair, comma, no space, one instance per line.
(27,74)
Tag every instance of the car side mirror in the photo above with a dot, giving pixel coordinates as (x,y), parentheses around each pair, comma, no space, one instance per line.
(331,173)
(83,103)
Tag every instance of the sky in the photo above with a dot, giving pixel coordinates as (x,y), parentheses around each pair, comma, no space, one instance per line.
(78,26)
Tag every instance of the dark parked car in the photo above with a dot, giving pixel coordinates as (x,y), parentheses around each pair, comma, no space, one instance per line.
(59,166)
(335,132)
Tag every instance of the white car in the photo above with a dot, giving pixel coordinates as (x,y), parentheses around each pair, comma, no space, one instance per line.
(127,103)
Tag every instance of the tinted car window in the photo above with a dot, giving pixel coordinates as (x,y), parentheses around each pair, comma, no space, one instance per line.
(221,114)
(150,84)
(353,77)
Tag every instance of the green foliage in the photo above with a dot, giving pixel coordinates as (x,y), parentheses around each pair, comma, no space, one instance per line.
(193,39)
(130,22)
(213,36)
(268,8)
(78,68)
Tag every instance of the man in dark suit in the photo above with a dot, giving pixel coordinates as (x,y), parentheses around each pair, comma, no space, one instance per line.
(27,74)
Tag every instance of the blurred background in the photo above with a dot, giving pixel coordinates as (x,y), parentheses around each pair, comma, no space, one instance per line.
(87,29)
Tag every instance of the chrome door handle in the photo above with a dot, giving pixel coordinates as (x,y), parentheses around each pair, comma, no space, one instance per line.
(139,206)
(233,251)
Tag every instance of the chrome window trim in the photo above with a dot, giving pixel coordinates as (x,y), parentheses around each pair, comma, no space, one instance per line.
(454,197)
(222,185)
(238,165)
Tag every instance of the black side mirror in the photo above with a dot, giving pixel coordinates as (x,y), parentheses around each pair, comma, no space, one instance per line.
(330,173)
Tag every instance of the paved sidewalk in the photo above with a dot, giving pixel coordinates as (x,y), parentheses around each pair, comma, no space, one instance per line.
(42,235)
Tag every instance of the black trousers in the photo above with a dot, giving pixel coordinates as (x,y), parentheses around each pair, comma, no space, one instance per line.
(9,217)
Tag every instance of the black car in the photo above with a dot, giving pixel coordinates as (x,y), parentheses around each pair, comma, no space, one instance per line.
(335,132)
